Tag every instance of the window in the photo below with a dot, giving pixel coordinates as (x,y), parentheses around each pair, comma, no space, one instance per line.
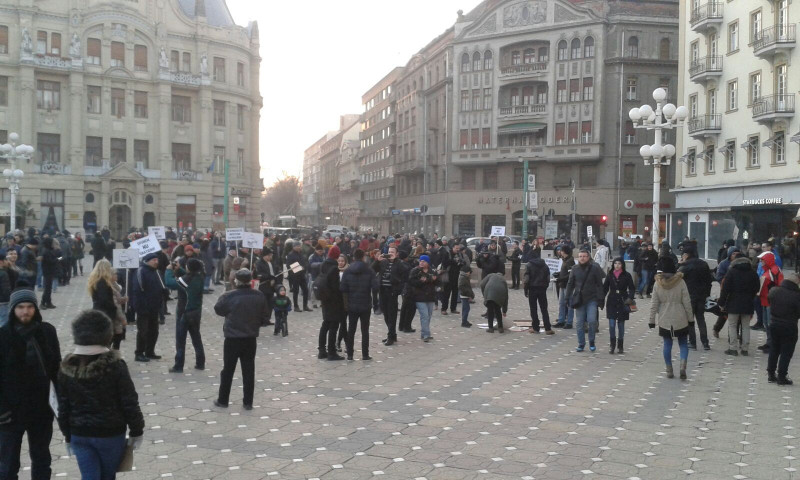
(117,54)
(4,92)
(486,139)
(465,63)
(49,147)
(709,154)
(529,55)
(711,99)
(93,51)
(464,139)
(733,95)
(476,63)
(781,82)
(464,101)
(475,139)
(562,176)
(628,175)
(693,106)
(586,131)
(779,149)
(527,95)
(544,54)
(181,109)
(518,180)
(141,153)
(240,117)
(730,155)
(560,133)
(755,26)
(630,133)
(219,160)
(118,102)
(576,49)
(562,50)
(695,52)
(219,113)
(93,104)
(733,37)
(219,69)
(3,39)
(41,42)
(94,151)
(515,58)
(632,88)
(588,47)
(186,66)
(48,95)
(182,157)
(753,150)
(691,163)
(541,95)
(561,91)
(240,162)
(633,47)
(140,104)
(55,44)
(588,176)
(52,208)
(476,99)
(240,74)
(664,49)
(573,132)
(488,60)
(118,151)
(490,179)
(588,89)
(140,58)
(468,179)
(487,98)
(514,96)
(174,60)
(575,90)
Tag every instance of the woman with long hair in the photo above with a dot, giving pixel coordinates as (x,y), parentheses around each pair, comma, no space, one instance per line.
(101,287)
(619,290)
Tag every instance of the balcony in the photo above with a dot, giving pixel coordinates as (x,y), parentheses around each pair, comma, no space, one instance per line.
(524,70)
(707,16)
(704,125)
(523,111)
(773,40)
(773,107)
(706,68)
(575,152)
(409,167)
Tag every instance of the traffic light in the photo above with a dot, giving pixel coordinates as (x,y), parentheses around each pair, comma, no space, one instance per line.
(604,220)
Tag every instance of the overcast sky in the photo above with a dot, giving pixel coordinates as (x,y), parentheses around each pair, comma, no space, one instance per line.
(320,56)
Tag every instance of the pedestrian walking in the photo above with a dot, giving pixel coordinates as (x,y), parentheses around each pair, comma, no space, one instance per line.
(50,264)
(191,286)
(771,277)
(78,247)
(422,282)
(738,288)
(566,313)
(101,286)
(466,293)
(97,399)
(244,310)
(495,298)
(671,310)
(698,280)
(390,276)
(535,284)
(265,274)
(357,285)
(784,302)
(297,280)
(618,290)
(146,292)
(585,294)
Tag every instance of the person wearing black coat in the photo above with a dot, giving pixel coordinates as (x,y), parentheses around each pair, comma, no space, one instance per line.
(516,263)
(298,281)
(29,358)
(698,280)
(390,278)
(265,274)
(648,258)
(357,285)
(408,308)
(739,287)
(619,290)
(334,315)
(98,247)
(535,284)
(50,264)
(146,292)
(784,302)
(489,262)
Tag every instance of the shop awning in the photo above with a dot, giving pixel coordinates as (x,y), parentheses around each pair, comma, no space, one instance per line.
(521,128)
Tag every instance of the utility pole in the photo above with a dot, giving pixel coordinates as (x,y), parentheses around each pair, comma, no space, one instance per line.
(526,198)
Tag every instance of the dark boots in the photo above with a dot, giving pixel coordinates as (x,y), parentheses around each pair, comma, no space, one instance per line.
(613,345)
(620,347)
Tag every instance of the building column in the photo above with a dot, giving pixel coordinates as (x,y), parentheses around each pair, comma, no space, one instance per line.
(27,105)
(164,147)
(102,215)
(76,113)
(206,134)
(138,205)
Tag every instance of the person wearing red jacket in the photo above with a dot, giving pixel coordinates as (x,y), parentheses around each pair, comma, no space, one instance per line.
(771,277)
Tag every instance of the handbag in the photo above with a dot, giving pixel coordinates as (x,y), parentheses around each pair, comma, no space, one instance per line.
(579,301)
(192,319)
(630,305)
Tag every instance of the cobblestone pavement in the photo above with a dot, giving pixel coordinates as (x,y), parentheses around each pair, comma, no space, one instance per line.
(467,405)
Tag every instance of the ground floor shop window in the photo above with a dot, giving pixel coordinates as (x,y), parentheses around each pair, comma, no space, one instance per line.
(489,221)
(679,223)
(627,225)
(464,225)
(516,224)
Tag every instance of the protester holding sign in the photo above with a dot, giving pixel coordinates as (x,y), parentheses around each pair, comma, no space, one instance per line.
(146,293)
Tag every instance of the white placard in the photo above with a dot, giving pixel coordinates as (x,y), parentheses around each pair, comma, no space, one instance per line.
(589,231)
(554,264)
(126,258)
(296,267)
(550,229)
(159,232)
(252,240)
(234,234)
(533,200)
(146,245)
(498,231)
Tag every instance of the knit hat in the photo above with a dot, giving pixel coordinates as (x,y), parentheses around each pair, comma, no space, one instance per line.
(149,257)
(425,258)
(334,252)
(403,254)
(163,244)
(188,248)
(23,295)
(194,265)
(243,276)
(33,241)
(92,327)
(666,265)
(266,251)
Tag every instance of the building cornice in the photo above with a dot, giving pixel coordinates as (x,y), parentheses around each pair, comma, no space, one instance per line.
(764,183)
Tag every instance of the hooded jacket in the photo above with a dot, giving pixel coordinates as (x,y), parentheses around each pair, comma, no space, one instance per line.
(97,398)
(537,275)
(243,309)
(333,304)
(671,307)
(566,268)
(784,303)
(495,289)
(772,277)
(357,285)
(739,287)
(698,278)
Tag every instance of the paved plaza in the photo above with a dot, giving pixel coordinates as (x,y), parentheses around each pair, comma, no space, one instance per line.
(468,405)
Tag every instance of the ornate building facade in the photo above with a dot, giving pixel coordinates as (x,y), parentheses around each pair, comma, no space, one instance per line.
(134,109)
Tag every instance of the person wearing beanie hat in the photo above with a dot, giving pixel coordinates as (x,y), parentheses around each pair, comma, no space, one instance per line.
(190,286)
(97,399)
(264,272)
(147,292)
(671,310)
(25,383)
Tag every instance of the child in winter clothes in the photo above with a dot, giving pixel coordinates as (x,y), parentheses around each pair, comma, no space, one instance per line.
(282,308)
(465,293)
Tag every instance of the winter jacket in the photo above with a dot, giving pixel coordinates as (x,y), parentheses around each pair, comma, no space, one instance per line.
(420,291)
(27,263)
(218,250)
(357,285)
(617,291)
(772,277)
(698,278)
(537,275)
(146,291)
(244,309)
(395,271)
(78,246)
(98,247)
(265,277)
(297,257)
(103,300)
(97,398)
(334,302)
(784,303)
(192,286)
(516,256)
(648,259)
(207,256)
(739,287)
(457,260)
(314,263)
(49,261)
(672,304)
(465,286)
(495,289)
(5,285)
(585,285)
(489,263)
(564,273)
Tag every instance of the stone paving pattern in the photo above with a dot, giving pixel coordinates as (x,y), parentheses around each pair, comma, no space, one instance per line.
(468,405)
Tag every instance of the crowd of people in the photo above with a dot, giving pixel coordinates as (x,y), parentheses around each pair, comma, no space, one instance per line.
(348,280)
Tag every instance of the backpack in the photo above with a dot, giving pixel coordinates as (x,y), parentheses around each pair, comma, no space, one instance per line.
(320,287)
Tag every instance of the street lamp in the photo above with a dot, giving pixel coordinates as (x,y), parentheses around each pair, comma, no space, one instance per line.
(664,117)
(12,152)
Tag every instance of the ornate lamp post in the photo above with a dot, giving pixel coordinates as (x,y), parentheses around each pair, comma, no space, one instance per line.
(12,152)
(664,117)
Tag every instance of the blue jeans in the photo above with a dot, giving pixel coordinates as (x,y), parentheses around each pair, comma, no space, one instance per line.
(207,282)
(619,324)
(767,317)
(39,437)
(644,279)
(683,344)
(564,310)
(98,457)
(181,329)
(425,310)
(465,311)
(586,313)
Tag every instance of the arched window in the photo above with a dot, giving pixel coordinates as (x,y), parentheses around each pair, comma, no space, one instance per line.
(476,62)
(576,48)
(562,50)
(488,60)
(664,49)
(633,47)
(529,55)
(414,86)
(588,47)
(465,62)
(515,58)
(544,54)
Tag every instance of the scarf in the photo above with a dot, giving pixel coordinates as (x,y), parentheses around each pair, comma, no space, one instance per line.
(90,349)
(617,273)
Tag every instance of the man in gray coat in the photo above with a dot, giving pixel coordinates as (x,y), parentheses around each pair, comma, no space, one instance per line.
(585,294)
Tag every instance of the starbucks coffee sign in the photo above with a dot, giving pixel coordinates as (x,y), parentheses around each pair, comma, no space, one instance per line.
(763,201)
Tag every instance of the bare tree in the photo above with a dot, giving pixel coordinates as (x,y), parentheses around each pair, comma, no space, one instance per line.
(283,196)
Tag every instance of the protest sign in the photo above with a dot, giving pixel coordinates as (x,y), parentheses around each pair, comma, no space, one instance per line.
(234,234)
(554,264)
(126,258)
(252,240)
(159,232)
(146,245)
